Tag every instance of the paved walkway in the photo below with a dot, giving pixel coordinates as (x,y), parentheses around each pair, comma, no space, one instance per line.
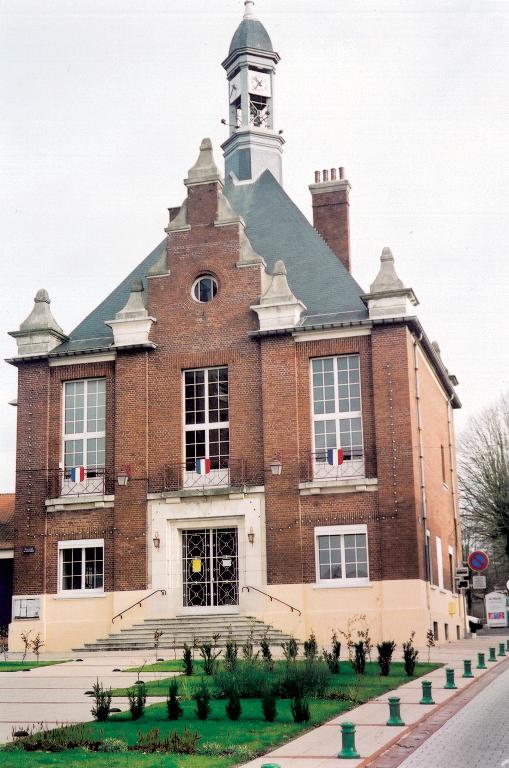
(56,695)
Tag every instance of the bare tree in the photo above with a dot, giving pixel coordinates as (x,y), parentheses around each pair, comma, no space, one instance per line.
(484,481)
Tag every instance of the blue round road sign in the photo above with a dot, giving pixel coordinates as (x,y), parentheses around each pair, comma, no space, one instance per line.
(478,560)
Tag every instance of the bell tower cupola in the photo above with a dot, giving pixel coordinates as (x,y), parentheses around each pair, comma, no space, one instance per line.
(253,145)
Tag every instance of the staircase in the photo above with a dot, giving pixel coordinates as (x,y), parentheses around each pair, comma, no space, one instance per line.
(187,629)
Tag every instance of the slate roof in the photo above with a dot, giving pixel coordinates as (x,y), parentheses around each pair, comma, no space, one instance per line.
(277,230)
(250,34)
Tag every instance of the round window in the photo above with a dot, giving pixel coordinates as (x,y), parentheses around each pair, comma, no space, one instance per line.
(204,288)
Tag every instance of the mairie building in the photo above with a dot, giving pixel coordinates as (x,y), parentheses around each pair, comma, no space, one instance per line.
(239,428)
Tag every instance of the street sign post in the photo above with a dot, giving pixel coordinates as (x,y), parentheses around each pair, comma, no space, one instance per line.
(478,560)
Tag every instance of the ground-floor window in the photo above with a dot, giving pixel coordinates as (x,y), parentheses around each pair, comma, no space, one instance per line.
(210,567)
(341,554)
(81,566)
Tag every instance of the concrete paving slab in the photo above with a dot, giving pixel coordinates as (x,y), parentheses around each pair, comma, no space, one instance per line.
(377,713)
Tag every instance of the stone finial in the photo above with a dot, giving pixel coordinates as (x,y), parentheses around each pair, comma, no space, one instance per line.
(249,9)
(179,222)
(387,279)
(205,169)
(40,332)
(132,323)
(278,308)
(388,296)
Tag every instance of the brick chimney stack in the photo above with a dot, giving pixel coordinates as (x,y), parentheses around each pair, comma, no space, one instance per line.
(329,194)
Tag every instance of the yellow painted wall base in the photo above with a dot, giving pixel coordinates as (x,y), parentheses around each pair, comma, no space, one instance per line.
(393,609)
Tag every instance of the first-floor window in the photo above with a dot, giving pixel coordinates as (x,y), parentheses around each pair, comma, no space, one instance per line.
(341,555)
(207,432)
(81,566)
(84,425)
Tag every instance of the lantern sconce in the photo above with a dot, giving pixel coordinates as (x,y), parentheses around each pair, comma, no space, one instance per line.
(276,465)
(123,476)
(251,536)
(156,540)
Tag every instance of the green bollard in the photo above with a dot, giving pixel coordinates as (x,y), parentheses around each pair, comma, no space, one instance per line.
(426,693)
(492,656)
(394,712)
(507,644)
(270,765)
(348,741)
(449,675)
(480,661)
(467,668)
(501,649)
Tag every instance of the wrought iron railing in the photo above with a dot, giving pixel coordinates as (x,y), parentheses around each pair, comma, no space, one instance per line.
(96,481)
(232,473)
(138,602)
(316,466)
(273,597)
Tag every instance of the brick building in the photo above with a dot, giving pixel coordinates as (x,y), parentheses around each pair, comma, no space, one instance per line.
(238,420)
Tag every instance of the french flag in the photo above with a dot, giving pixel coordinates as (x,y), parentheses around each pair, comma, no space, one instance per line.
(77,474)
(202,466)
(335,456)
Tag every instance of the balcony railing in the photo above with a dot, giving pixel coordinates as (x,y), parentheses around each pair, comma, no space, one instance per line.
(235,473)
(316,467)
(96,481)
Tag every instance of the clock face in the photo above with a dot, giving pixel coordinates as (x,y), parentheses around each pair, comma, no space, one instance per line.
(234,88)
(259,83)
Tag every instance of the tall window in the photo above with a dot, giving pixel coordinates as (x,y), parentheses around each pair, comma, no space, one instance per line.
(84,425)
(81,566)
(428,556)
(337,415)
(440,565)
(341,555)
(207,431)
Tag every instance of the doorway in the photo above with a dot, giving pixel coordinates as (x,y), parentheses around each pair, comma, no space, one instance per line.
(210,567)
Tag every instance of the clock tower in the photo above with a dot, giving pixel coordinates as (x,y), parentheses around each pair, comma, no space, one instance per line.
(253,145)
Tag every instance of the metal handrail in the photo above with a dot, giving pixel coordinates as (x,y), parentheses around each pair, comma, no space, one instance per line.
(138,602)
(272,597)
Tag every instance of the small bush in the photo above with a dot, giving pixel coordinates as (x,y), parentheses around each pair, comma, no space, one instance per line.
(248,648)
(137,696)
(300,709)
(310,678)
(188,660)
(266,652)
(249,678)
(331,657)
(385,651)
(202,699)
(311,647)
(233,707)
(55,739)
(181,744)
(102,705)
(173,705)
(230,654)
(359,657)
(112,745)
(290,649)
(269,703)
(209,656)
(410,655)
(241,752)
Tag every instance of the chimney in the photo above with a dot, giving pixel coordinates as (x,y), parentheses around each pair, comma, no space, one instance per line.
(329,194)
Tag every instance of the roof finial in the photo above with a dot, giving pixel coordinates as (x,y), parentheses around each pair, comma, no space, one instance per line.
(248,9)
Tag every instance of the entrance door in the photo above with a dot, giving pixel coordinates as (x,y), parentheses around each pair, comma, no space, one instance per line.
(210,567)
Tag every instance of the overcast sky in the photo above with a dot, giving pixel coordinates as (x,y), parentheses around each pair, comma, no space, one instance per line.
(104,104)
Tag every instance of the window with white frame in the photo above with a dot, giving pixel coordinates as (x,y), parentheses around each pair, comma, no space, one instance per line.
(84,425)
(206,422)
(429,558)
(81,566)
(341,553)
(337,411)
(440,565)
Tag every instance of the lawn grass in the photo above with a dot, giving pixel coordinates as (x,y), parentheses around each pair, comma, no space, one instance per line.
(169,665)
(250,734)
(17,666)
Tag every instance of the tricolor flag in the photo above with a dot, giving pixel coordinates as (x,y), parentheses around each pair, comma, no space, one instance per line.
(334,456)
(202,466)
(77,474)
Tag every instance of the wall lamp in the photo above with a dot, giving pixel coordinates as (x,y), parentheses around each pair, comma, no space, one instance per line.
(251,536)
(276,465)
(123,477)
(156,540)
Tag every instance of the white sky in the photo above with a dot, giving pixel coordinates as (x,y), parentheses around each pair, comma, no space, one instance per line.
(104,104)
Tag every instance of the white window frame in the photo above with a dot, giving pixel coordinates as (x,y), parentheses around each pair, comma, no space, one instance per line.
(340,530)
(452,566)
(440,563)
(94,483)
(78,544)
(353,467)
(429,557)
(216,477)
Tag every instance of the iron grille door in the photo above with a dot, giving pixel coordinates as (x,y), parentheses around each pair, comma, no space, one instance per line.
(210,567)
